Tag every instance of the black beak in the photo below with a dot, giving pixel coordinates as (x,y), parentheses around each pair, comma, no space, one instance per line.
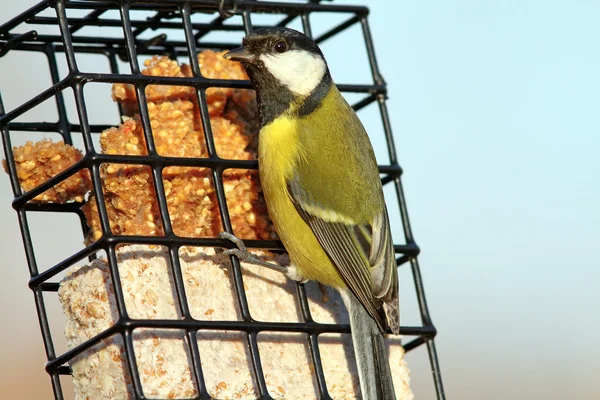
(240,54)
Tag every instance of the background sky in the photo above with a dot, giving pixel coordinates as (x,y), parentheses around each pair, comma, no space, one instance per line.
(494,107)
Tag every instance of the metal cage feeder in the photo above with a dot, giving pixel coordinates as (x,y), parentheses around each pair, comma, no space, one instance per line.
(137,38)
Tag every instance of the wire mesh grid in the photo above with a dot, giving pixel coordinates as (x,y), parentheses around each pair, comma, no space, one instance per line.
(71,43)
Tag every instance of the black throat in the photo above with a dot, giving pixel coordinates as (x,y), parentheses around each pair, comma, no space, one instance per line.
(275,99)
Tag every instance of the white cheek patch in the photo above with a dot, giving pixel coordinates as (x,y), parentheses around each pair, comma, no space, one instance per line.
(301,71)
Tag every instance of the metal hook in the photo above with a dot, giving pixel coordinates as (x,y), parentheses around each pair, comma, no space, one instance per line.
(227,13)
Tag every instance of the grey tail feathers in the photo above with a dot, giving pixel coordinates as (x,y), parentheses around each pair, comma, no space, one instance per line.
(370,352)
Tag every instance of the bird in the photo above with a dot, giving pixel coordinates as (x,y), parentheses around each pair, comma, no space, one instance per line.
(323,192)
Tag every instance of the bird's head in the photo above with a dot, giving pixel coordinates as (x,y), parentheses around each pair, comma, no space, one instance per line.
(284,55)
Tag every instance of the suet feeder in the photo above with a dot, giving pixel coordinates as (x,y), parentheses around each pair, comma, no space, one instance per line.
(151,309)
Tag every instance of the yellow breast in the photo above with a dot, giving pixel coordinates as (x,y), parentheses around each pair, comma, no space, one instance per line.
(279,151)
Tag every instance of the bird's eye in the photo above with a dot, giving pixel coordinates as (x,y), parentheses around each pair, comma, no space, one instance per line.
(281,46)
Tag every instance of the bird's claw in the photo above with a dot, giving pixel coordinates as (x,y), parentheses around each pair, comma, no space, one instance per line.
(232,238)
(241,252)
(244,255)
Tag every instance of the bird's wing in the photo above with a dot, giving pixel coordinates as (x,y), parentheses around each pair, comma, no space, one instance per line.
(362,251)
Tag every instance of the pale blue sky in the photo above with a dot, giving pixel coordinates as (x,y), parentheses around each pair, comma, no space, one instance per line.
(494,107)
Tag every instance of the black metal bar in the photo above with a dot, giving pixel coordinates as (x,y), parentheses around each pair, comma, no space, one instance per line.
(143,80)
(132,364)
(63,24)
(413,344)
(94,44)
(85,21)
(313,343)
(286,20)
(151,23)
(435,369)
(24,16)
(255,6)
(50,273)
(53,207)
(341,27)
(306,25)
(215,24)
(181,81)
(420,290)
(377,78)
(403,260)
(254,326)
(34,126)
(114,69)
(182,302)
(83,119)
(49,286)
(48,343)
(364,102)
(28,105)
(57,362)
(240,292)
(192,337)
(92,128)
(425,317)
(78,23)
(243,326)
(247,18)
(62,125)
(151,148)
(155,41)
(15,41)
(10,158)
(152,161)
(25,233)
(199,82)
(64,370)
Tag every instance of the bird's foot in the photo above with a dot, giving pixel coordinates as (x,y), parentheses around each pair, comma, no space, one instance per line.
(293,273)
(244,255)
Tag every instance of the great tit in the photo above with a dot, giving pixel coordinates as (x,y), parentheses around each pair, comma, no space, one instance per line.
(323,191)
